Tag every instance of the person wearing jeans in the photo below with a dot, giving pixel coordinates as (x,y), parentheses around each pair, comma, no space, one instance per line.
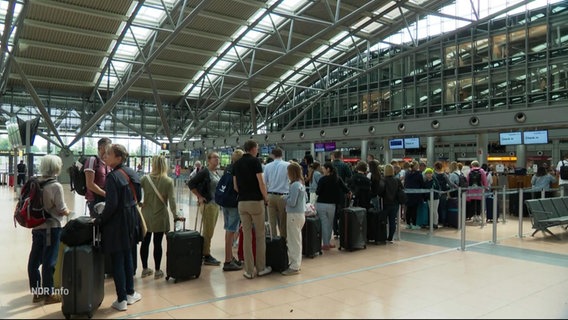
(331,189)
(118,222)
(295,218)
(45,237)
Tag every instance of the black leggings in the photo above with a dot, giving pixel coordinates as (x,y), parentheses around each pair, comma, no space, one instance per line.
(145,248)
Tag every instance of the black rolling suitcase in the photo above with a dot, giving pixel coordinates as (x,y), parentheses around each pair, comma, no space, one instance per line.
(353,228)
(83,276)
(311,237)
(184,255)
(276,251)
(376,226)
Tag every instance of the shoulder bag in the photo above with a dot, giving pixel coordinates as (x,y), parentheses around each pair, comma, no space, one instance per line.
(160,196)
(142,222)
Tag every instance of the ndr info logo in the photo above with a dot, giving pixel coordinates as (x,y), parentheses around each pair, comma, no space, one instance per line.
(47,291)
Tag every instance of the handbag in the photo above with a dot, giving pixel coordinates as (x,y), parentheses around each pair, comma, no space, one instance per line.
(141,221)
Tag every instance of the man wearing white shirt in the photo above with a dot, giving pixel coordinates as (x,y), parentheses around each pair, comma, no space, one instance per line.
(276,180)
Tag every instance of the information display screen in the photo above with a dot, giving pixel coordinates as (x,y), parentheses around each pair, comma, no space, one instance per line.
(412,143)
(510,138)
(395,144)
(319,147)
(535,137)
(329,146)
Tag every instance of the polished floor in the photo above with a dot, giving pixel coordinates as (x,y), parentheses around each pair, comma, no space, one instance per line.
(422,275)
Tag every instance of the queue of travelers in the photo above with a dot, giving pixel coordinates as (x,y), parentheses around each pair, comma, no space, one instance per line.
(276,193)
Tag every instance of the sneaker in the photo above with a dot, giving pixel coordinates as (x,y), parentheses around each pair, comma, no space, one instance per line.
(147,272)
(390,241)
(414,227)
(290,272)
(133,298)
(54,298)
(37,298)
(266,271)
(237,262)
(159,274)
(248,275)
(120,306)
(408,226)
(331,246)
(325,247)
(210,261)
(231,266)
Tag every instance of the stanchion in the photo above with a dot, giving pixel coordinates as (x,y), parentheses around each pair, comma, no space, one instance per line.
(495,216)
(521,213)
(461,218)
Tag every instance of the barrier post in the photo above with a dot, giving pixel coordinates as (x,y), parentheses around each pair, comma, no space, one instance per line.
(521,213)
(461,217)
(495,216)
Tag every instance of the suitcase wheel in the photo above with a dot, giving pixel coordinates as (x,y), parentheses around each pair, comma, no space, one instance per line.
(90,315)
(67,315)
(167,278)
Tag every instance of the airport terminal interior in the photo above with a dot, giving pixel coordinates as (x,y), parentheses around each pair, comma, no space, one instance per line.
(428,80)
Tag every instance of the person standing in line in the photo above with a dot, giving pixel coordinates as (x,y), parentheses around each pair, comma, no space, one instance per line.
(197,167)
(45,237)
(562,183)
(475,178)
(295,218)
(253,197)
(314,175)
(155,212)
(119,224)
(276,180)
(207,175)
(330,192)
(390,202)
(343,171)
(542,180)
(231,223)
(21,173)
(96,171)
(413,180)
(376,182)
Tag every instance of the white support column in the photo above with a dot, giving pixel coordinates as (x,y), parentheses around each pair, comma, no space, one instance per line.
(521,151)
(481,152)
(387,151)
(364,149)
(430,155)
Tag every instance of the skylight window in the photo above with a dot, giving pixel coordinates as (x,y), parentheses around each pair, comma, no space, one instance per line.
(151,14)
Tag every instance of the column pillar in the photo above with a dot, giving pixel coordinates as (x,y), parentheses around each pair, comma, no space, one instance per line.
(430,155)
(364,149)
(521,151)
(387,151)
(481,152)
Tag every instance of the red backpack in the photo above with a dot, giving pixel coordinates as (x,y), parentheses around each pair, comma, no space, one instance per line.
(29,211)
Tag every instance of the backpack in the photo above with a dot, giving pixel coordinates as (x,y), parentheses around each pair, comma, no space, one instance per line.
(462,180)
(77,178)
(475,178)
(442,181)
(29,212)
(225,194)
(564,171)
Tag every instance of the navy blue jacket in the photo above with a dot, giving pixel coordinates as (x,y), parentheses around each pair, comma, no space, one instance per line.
(119,218)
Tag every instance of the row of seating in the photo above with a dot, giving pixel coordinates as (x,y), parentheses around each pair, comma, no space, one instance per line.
(548,212)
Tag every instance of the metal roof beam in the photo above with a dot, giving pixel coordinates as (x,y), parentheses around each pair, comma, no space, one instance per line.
(109,105)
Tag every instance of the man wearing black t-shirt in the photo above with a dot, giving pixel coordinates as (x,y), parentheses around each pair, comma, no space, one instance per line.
(253,198)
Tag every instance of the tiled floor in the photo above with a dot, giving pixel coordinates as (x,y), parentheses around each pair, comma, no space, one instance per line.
(420,276)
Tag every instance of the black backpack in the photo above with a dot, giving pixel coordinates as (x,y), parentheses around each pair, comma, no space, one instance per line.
(442,180)
(475,178)
(564,171)
(77,178)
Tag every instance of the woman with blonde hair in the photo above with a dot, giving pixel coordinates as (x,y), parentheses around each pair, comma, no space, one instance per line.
(295,217)
(158,194)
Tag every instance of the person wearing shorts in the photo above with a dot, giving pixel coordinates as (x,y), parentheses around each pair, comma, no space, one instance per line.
(232,221)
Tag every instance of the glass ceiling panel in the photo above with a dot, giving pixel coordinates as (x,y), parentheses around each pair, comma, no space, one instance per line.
(252,37)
